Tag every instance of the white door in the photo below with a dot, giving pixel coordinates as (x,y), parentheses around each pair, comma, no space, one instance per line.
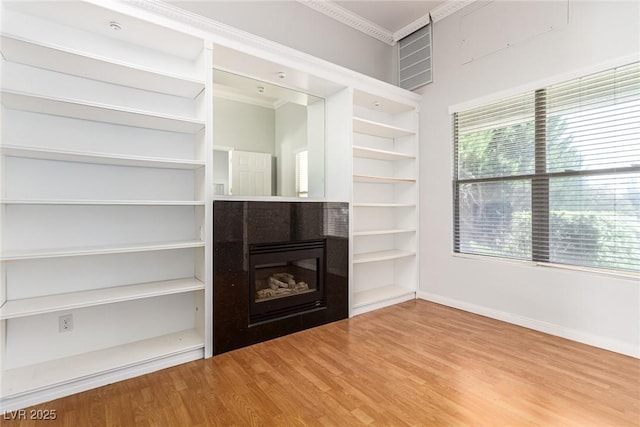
(250,174)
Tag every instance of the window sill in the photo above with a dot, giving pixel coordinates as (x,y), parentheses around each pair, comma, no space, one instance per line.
(590,270)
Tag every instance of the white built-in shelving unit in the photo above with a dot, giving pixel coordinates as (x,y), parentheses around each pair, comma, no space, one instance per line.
(385,201)
(106,189)
(105,202)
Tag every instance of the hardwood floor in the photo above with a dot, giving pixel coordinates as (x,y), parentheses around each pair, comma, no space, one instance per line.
(413,364)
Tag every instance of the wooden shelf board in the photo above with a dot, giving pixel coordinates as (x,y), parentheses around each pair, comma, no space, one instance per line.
(99,112)
(81,64)
(31,378)
(369,127)
(371,153)
(381,256)
(380,294)
(104,202)
(52,303)
(97,250)
(382,179)
(385,231)
(98,158)
(384,205)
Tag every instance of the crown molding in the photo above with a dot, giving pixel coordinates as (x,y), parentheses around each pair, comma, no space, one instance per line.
(438,13)
(327,7)
(414,26)
(351,19)
(359,23)
(447,8)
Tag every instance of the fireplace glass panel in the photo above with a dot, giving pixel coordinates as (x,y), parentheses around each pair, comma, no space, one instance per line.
(286,278)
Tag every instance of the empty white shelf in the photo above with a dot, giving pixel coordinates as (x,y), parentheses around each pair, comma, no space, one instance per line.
(98,158)
(381,179)
(104,202)
(381,256)
(97,250)
(28,379)
(90,66)
(385,184)
(369,127)
(51,303)
(65,82)
(380,294)
(371,153)
(382,231)
(99,112)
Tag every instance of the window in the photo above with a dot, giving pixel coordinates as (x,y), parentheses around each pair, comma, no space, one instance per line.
(302,173)
(553,175)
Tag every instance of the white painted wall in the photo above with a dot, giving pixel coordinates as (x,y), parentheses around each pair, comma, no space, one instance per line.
(597,309)
(292,24)
(243,126)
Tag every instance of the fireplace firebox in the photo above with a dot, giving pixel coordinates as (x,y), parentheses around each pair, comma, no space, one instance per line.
(279,267)
(285,279)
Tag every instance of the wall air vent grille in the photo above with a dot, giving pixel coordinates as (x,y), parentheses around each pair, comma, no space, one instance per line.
(415,59)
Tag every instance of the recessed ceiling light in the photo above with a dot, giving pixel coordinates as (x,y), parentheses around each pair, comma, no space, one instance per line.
(115,26)
(376,103)
(260,89)
(282,74)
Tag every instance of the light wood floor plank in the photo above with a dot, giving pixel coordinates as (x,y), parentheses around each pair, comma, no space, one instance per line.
(413,364)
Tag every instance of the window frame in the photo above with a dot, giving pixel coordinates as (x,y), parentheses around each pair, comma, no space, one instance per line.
(540,186)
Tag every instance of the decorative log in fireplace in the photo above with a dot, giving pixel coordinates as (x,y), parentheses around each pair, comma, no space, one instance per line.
(286,278)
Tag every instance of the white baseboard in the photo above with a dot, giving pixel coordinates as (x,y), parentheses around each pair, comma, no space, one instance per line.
(537,325)
(381,304)
(82,384)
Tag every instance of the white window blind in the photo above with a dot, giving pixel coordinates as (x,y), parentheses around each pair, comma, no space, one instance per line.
(553,175)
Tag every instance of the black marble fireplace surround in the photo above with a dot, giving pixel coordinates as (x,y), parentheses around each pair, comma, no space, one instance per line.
(314,231)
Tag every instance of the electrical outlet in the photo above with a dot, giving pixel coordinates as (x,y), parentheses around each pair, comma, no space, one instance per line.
(65,323)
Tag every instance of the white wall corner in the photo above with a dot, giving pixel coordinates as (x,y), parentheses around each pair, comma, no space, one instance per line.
(351,19)
(617,346)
